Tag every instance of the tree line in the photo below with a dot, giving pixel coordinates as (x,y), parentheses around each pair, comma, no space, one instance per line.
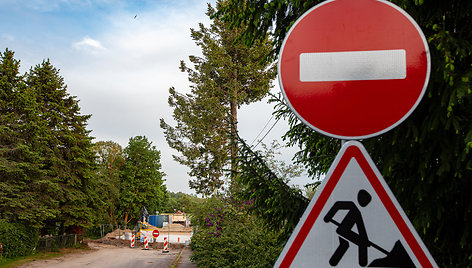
(53,177)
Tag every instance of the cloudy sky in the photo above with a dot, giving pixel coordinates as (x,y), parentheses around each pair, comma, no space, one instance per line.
(120,58)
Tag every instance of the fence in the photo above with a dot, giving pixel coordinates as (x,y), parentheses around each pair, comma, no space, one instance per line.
(56,242)
(53,243)
(101,230)
(98,231)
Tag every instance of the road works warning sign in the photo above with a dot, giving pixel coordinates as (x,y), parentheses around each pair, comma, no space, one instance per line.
(354,221)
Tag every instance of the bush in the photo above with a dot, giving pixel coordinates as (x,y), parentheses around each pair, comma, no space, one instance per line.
(230,237)
(17,239)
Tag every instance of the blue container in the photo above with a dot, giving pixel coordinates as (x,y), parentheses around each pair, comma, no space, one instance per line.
(157,220)
(153,220)
(161,219)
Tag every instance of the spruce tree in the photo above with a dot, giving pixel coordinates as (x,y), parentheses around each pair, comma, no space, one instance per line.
(65,145)
(24,195)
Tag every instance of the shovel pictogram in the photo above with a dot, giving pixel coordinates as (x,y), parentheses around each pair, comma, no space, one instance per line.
(397,257)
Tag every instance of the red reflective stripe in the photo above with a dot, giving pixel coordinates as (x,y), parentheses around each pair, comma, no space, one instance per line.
(315,212)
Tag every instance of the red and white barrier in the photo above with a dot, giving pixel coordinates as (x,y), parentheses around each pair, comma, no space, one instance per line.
(166,249)
(146,242)
(132,241)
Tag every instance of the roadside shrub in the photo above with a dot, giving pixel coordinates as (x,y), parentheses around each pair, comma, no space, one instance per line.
(93,232)
(17,239)
(227,236)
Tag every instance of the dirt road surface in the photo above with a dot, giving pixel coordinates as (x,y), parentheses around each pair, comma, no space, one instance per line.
(102,255)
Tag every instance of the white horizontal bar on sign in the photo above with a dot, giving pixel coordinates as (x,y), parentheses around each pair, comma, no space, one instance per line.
(353,65)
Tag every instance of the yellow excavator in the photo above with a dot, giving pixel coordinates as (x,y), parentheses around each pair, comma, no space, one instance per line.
(143,224)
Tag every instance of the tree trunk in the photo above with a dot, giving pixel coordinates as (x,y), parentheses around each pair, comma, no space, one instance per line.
(234,132)
(112,216)
(234,122)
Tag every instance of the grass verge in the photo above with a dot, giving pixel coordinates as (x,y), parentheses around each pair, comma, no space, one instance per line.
(15,262)
(176,261)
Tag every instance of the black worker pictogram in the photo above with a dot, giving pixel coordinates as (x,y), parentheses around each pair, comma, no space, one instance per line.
(397,257)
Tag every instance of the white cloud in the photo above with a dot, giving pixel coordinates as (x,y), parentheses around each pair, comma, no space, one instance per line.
(126,88)
(6,38)
(122,69)
(89,45)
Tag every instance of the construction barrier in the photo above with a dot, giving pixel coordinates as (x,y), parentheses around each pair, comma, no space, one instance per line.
(132,241)
(146,242)
(166,249)
(144,233)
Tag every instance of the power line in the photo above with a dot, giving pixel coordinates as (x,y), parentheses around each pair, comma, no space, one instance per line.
(262,130)
(266,133)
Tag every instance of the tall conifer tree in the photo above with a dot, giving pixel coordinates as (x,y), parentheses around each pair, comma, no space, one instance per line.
(228,75)
(24,195)
(65,145)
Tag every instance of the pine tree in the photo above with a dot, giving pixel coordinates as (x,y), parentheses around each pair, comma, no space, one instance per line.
(228,75)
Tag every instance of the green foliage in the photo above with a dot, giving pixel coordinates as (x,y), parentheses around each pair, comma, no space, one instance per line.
(181,202)
(260,18)
(228,236)
(283,170)
(110,158)
(129,179)
(228,75)
(141,179)
(280,205)
(17,239)
(427,159)
(21,196)
(200,136)
(46,163)
(65,145)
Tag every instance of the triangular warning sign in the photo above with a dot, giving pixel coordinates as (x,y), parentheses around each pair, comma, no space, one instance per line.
(354,221)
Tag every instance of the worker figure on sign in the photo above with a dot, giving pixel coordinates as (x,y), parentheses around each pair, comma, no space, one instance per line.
(345,228)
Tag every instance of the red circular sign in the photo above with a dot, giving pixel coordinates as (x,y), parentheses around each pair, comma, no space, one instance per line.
(155,233)
(354,69)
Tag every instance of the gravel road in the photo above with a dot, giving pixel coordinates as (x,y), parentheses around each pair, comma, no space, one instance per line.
(103,255)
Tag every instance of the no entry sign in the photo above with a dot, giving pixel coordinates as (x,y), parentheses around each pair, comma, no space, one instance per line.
(354,69)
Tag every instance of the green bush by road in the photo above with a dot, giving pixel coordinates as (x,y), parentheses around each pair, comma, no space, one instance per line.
(228,236)
(17,239)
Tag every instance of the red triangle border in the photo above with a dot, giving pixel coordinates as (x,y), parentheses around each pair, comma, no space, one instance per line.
(353,151)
